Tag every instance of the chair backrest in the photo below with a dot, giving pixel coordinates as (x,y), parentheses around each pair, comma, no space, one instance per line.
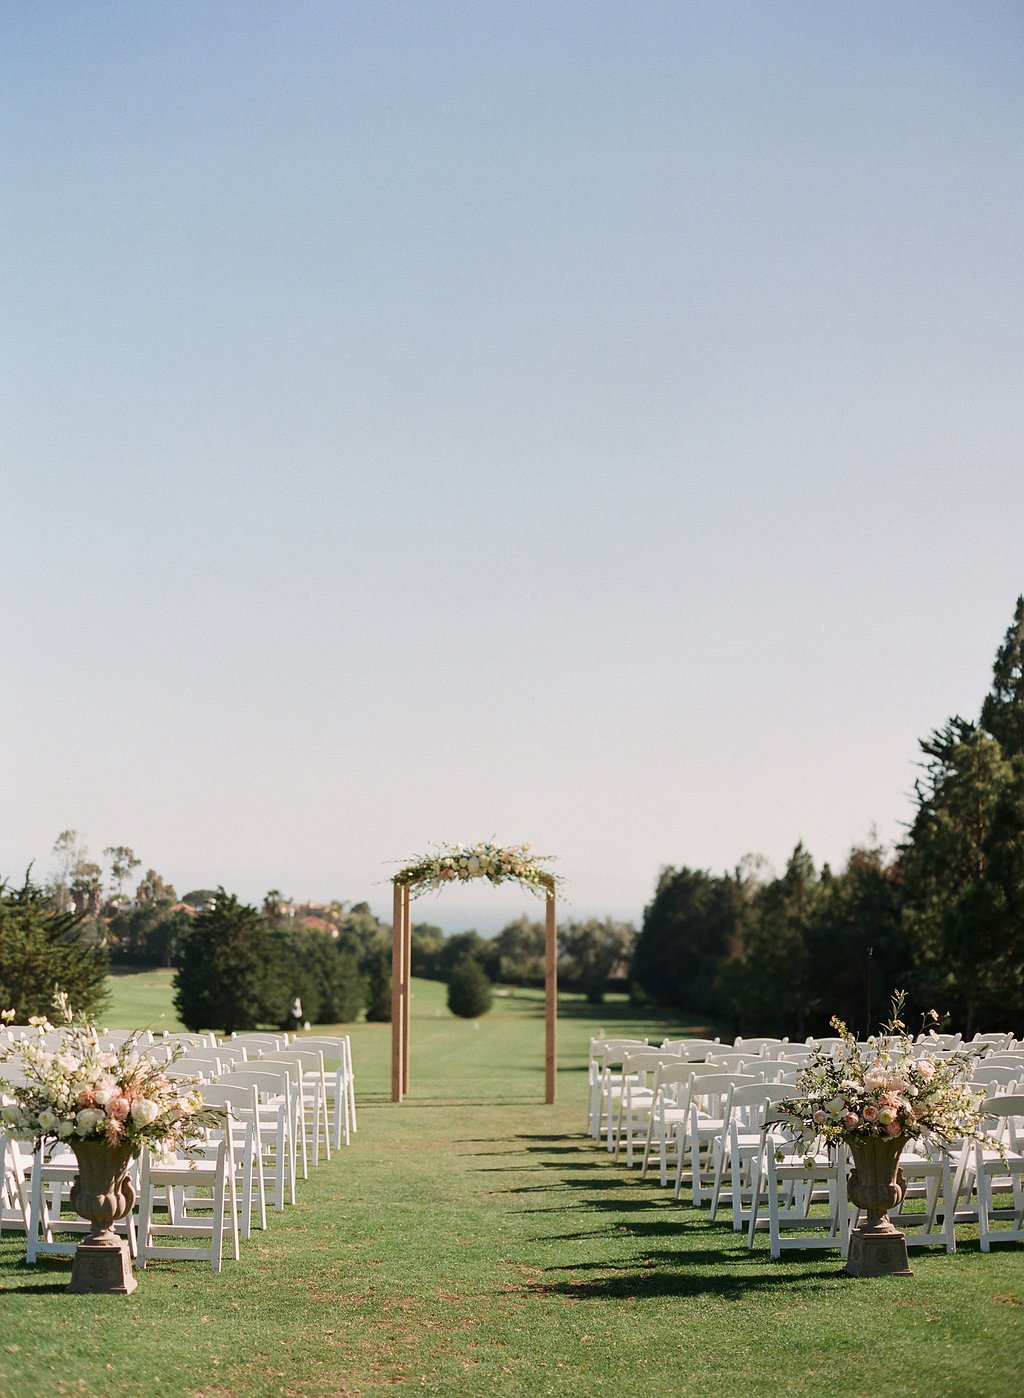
(825,1042)
(240,1097)
(640,1062)
(256,1041)
(174,1039)
(756,1045)
(733,1062)
(1003,1060)
(1003,1113)
(997,1040)
(696,1050)
(707,1086)
(987,1076)
(273,1080)
(747,1103)
(945,1041)
(305,1060)
(335,1049)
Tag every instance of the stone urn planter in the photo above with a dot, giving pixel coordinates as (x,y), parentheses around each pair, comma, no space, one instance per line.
(876,1185)
(102,1193)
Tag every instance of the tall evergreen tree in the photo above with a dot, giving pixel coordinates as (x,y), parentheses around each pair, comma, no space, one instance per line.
(226,979)
(1002,713)
(42,947)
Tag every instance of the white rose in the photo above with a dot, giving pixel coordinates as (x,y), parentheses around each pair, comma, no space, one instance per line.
(88,1121)
(66,1129)
(48,1121)
(144,1112)
(69,1062)
(106,1092)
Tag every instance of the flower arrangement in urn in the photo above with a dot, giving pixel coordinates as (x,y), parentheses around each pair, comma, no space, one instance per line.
(78,1092)
(484,860)
(892,1087)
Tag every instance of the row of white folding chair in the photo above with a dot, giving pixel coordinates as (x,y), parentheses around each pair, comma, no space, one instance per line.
(339,1083)
(669,1116)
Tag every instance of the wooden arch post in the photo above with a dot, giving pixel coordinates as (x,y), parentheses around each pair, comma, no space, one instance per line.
(401,977)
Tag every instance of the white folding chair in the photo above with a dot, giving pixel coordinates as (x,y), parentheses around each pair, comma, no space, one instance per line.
(247,1139)
(277,1125)
(16,1172)
(734,1150)
(635,1096)
(928,1177)
(310,1082)
(707,1125)
(599,1049)
(795,1191)
(999,1176)
(341,1082)
(52,1173)
(190,1213)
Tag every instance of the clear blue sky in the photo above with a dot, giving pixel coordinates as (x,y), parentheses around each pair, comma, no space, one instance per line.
(596,424)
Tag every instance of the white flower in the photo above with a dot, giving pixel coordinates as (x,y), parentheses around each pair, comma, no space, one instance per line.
(66,1129)
(69,1062)
(88,1121)
(48,1121)
(144,1112)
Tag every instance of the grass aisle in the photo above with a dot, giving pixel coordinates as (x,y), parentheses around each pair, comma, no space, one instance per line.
(490,1248)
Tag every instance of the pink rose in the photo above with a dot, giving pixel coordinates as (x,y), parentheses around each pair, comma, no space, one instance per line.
(850,1120)
(870,1113)
(118,1108)
(819,1116)
(925,1069)
(894,1128)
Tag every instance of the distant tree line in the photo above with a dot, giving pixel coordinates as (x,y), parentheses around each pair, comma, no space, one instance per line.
(593,956)
(942,915)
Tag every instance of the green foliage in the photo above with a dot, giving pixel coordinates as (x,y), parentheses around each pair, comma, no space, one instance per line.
(590,952)
(1002,713)
(469,990)
(427,942)
(472,946)
(688,932)
(376,968)
(42,947)
(309,965)
(964,870)
(520,950)
(226,979)
(148,933)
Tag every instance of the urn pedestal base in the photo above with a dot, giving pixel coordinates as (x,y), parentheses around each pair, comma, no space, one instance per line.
(102,1193)
(878,1252)
(104,1267)
(877,1249)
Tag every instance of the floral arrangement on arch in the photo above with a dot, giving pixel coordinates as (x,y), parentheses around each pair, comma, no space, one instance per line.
(485,860)
(78,1092)
(891,1087)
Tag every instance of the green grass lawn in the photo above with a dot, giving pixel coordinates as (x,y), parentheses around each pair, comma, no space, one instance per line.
(473,1241)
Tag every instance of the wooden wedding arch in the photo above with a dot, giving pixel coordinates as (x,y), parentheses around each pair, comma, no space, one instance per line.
(458,863)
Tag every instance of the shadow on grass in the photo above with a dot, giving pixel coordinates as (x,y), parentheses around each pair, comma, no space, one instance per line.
(694,1273)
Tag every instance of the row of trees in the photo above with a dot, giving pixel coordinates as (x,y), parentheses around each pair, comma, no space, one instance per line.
(943,915)
(239,967)
(593,955)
